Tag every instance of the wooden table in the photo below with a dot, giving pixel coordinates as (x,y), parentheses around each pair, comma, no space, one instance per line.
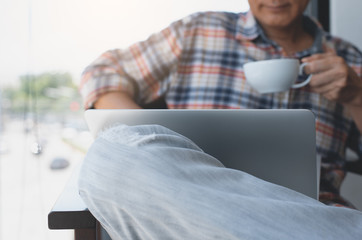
(70,212)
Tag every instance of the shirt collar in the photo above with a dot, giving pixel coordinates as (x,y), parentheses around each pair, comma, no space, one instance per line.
(247,27)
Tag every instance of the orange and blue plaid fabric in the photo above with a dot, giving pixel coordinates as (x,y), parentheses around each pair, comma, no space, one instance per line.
(197,63)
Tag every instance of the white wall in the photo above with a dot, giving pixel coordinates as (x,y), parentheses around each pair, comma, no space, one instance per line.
(346,20)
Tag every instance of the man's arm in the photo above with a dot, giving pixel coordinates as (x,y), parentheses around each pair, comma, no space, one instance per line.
(357,116)
(336,81)
(115,100)
(139,70)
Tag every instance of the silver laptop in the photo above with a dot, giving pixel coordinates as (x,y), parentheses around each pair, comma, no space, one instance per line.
(278,146)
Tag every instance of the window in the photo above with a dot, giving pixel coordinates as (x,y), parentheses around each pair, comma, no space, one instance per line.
(44,47)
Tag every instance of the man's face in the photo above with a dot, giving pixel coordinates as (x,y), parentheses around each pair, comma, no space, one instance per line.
(277,13)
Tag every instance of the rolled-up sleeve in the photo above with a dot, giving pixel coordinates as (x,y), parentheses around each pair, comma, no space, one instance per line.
(141,70)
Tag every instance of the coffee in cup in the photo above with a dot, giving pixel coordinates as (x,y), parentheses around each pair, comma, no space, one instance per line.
(276,75)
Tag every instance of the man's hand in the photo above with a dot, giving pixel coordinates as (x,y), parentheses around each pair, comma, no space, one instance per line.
(336,81)
(333,78)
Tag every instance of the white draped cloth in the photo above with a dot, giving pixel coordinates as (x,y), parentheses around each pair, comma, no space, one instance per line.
(148,182)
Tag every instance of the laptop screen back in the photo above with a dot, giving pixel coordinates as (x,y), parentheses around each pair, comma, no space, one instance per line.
(275,145)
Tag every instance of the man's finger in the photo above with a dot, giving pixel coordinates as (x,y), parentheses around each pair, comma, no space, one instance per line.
(328,49)
(317,56)
(318,66)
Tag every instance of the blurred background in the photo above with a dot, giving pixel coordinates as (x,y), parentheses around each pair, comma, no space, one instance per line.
(44,46)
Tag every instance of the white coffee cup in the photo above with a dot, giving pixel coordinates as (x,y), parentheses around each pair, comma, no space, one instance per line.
(276,75)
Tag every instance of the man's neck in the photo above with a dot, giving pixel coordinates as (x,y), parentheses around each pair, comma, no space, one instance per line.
(292,39)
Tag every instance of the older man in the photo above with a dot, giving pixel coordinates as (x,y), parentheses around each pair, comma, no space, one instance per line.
(197,62)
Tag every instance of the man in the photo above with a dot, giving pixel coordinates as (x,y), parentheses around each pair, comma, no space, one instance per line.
(197,62)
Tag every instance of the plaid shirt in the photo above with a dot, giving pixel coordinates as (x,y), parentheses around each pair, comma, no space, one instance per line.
(197,62)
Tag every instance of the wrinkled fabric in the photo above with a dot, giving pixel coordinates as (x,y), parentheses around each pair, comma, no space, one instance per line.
(148,182)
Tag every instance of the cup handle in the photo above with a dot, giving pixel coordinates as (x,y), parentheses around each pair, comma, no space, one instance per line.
(302,84)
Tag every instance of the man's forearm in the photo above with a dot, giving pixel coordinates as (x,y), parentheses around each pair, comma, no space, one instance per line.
(355,107)
(356,112)
(115,100)
(353,93)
